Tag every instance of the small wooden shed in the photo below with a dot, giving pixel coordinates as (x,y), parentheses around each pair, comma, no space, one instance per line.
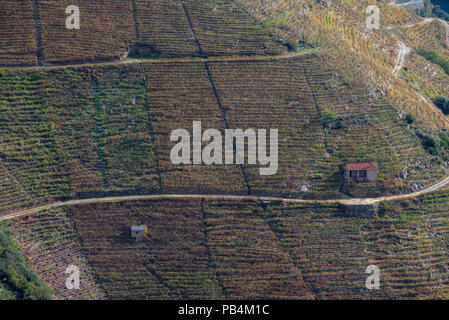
(138,233)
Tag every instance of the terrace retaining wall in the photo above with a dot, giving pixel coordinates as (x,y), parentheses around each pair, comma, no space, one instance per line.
(361,210)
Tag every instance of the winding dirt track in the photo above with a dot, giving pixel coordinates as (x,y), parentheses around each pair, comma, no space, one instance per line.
(404,51)
(429,20)
(360,201)
(286,55)
(402,55)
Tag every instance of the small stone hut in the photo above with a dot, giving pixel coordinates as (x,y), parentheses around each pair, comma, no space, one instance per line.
(361,172)
(138,233)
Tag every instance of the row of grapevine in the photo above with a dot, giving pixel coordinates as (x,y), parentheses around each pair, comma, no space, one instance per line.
(333,251)
(106,30)
(248,257)
(213,249)
(36,31)
(225,28)
(275,95)
(182,95)
(171,262)
(18,34)
(28,147)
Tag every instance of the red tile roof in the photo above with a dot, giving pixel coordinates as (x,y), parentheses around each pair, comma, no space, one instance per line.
(361,166)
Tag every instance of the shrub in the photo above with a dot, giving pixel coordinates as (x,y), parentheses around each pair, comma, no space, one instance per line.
(15,274)
(435,58)
(292,45)
(435,144)
(431,143)
(331,120)
(410,118)
(442,102)
(385,208)
(440,13)
(444,140)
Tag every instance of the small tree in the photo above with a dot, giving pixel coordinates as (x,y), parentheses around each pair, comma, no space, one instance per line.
(292,44)
(330,119)
(410,118)
(430,142)
(442,102)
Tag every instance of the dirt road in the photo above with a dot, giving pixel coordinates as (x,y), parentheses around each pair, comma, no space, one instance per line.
(168,60)
(404,51)
(22,213)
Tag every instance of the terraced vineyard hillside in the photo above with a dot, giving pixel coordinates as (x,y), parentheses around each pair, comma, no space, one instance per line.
(199,27)
(111,30)
(412,260)
(15,50)
(311,152)
(356,53)
(206,249)
(105,131)
(106,30)
(50,243)
(86,117)
(423,75)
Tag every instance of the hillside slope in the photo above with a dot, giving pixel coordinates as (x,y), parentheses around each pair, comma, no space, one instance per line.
(357,54)
(15,17)
(17,280)
(340,94)
(105,131)
(112,30)
(197,249)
